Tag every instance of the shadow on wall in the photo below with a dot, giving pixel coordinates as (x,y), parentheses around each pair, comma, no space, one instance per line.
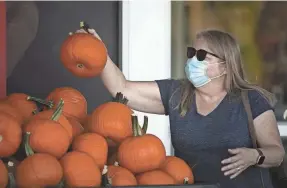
(22,26)
(35,32)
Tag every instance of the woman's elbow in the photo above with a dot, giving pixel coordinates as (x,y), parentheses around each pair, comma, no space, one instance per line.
(281,155)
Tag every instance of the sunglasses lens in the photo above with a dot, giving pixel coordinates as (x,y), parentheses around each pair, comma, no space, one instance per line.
(190,52)
(201,55)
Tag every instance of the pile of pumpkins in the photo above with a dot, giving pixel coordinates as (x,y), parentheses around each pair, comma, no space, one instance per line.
(55,142)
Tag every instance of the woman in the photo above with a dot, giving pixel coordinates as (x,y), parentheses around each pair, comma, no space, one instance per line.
(208,122)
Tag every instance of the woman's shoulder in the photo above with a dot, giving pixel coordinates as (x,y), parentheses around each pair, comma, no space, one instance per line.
(168,85)
(168,88)
(259,102)
(169,82)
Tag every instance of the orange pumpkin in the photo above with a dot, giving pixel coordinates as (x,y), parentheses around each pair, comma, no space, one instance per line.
(94,145)
(39,170)
(112,120)
(80,170)
(3,175)
(10,135)
(83,55)
(119,176)
(178,169)
(77,127)
(48,136)
(6,107)
(60,118)
(75,103)
(155,177)
(142,152)
(25,107)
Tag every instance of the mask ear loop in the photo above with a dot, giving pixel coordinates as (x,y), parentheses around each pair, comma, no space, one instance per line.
(223,73)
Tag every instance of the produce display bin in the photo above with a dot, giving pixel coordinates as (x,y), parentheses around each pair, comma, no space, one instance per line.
(175,186)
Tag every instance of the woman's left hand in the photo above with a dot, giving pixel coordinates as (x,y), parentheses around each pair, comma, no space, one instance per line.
(242,159)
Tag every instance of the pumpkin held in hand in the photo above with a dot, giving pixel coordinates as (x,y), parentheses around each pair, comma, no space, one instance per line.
(83,55)
(142,152)
(80,170)
(38,170)
(178,169)
(112,120)
(3,175)
(155,177)
(10,135)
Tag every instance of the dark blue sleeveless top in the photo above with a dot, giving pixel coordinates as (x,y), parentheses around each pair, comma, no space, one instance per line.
(202,141)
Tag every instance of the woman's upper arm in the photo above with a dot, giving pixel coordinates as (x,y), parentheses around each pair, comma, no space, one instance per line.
(266,128)
(148,96)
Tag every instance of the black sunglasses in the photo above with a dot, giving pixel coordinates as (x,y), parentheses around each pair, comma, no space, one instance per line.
(200,54)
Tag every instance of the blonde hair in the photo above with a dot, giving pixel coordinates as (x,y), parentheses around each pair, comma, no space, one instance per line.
(226,47)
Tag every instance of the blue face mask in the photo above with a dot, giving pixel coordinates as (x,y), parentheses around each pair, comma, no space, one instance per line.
(196,72)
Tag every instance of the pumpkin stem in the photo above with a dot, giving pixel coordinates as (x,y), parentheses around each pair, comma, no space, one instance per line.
(56,115)
(28,148)
(12,182)
(106,181)
(49,104)
(34,112)
(145,124)
(61,184)
(139,129)
(135,126)
(1,138)
(185,180)
(120,98)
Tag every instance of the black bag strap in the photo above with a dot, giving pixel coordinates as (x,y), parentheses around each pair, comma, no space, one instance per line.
(247,107)
(279,173)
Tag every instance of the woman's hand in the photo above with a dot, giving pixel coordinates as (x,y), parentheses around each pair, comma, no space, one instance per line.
(242,159)
(91,31)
